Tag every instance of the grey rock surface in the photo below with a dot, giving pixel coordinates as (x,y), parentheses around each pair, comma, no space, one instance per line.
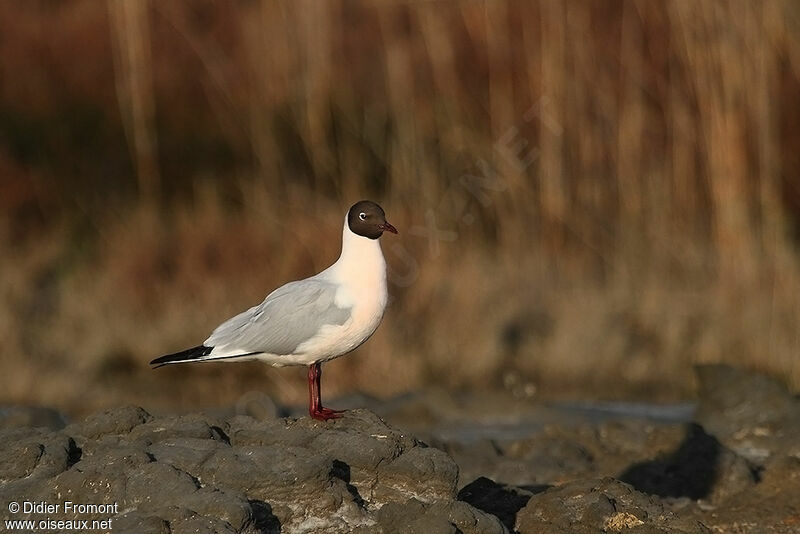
(193,473)
(544,470)
(752,414)
(601,506)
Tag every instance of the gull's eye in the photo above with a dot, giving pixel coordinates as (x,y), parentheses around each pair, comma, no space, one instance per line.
(362,215)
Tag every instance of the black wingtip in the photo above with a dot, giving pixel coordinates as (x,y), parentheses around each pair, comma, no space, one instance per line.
(188,355)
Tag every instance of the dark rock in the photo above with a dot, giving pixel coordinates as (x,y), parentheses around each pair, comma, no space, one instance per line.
(397,513)
(558,453)
(416,517)
(187,454)
(438,471)
(364,442)
(36,453)
(360,446)
(500,500)
(770,506)
(185,426)
(140,523)
(193,473)
(157,484)
(551,457)
(95,479)
(118,421)
(244,430)
(20,457)
(752,414)
(264,521)
(595,506)
(735,397)
(701,468)
(201,525)
(466,518)
(269,473)
(230,506)
(176,519)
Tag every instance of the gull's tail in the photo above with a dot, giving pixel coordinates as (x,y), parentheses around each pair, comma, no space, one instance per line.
(202,353)
(194,354)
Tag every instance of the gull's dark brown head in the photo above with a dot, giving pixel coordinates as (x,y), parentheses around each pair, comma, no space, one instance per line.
(367,219)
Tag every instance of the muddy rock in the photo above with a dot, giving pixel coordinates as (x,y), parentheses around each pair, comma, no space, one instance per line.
(599,506)
(111,422)
(753,414)
(194,473)
(446,517)
(499,466)
(35,453)
(501,500)
(667,460)
(699,468)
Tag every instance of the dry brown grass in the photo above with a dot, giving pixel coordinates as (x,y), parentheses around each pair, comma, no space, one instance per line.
(592,196)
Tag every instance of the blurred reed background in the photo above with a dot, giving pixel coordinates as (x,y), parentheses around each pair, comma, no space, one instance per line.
(592,196)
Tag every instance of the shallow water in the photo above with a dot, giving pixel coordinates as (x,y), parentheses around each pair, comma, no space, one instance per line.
(513,427)
(601,411)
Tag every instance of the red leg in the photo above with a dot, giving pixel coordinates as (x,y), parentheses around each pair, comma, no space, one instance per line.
(315,408)
(313,390)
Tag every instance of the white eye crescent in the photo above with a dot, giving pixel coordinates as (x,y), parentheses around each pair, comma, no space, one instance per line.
(362,215)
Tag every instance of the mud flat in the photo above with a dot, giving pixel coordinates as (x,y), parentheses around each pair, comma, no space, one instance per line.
(729,464)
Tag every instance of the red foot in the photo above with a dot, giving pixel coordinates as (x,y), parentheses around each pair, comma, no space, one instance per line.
(323,414)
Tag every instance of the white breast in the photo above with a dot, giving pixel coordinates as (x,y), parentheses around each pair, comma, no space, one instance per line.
(335,340)
(361,274)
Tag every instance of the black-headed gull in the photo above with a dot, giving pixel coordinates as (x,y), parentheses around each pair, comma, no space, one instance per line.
(310,321)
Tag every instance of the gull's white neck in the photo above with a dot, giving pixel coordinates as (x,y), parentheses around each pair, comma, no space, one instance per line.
(361,262)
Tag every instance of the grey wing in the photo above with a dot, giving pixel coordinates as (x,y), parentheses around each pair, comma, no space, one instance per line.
(289,316)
